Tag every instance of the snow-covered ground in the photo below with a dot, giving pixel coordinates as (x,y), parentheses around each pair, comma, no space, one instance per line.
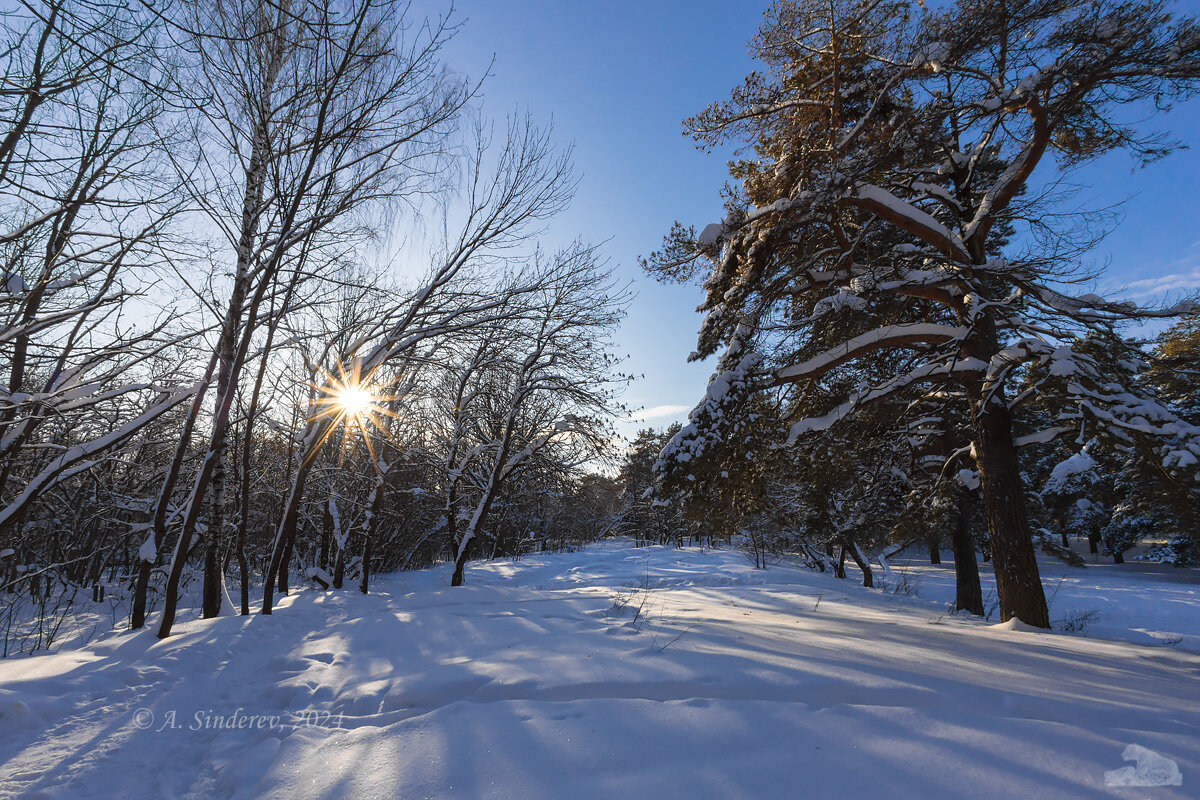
(1138,601)
(617,672)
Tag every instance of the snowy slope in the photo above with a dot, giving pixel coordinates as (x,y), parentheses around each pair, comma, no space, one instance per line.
(530,683)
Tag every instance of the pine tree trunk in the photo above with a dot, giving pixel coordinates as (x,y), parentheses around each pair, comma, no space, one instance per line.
(1018,582)
(968,595)
(935,553)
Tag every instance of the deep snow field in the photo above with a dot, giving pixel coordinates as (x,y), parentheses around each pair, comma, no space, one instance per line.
(627,673)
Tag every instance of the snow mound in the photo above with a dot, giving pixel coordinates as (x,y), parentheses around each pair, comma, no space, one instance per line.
(1015,624)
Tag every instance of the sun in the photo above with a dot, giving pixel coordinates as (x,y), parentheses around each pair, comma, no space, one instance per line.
(354,401)
(350,397)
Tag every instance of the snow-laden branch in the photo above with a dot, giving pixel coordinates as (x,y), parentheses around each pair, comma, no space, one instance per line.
(900,335)
(909,218)
(927,372)
(79,458)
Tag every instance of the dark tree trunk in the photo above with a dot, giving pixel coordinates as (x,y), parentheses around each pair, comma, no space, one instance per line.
(479,520)
(141,588)
(339,568)
(1018,582)
(839,569)
(935,553)
(171,594)
(243,571)
(868,576)
(1058,515)
(1118,557)
(369,533)
(814,558)
(81,571)
(1093,542)
(212,475)
(247,453)
(212,577)
(226,377)
(364,579)
(285,562)
(326,536)
(460,563)
(968,595)
(285,536)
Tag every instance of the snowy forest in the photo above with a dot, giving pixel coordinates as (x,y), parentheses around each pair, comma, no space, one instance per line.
(218,374)
(299,390)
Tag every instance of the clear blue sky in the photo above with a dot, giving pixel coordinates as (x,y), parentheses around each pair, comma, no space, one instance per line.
(617,77)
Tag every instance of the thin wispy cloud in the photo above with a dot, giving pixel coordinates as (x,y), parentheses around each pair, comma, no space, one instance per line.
(1181,276)
(657,412)
(1170,283)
